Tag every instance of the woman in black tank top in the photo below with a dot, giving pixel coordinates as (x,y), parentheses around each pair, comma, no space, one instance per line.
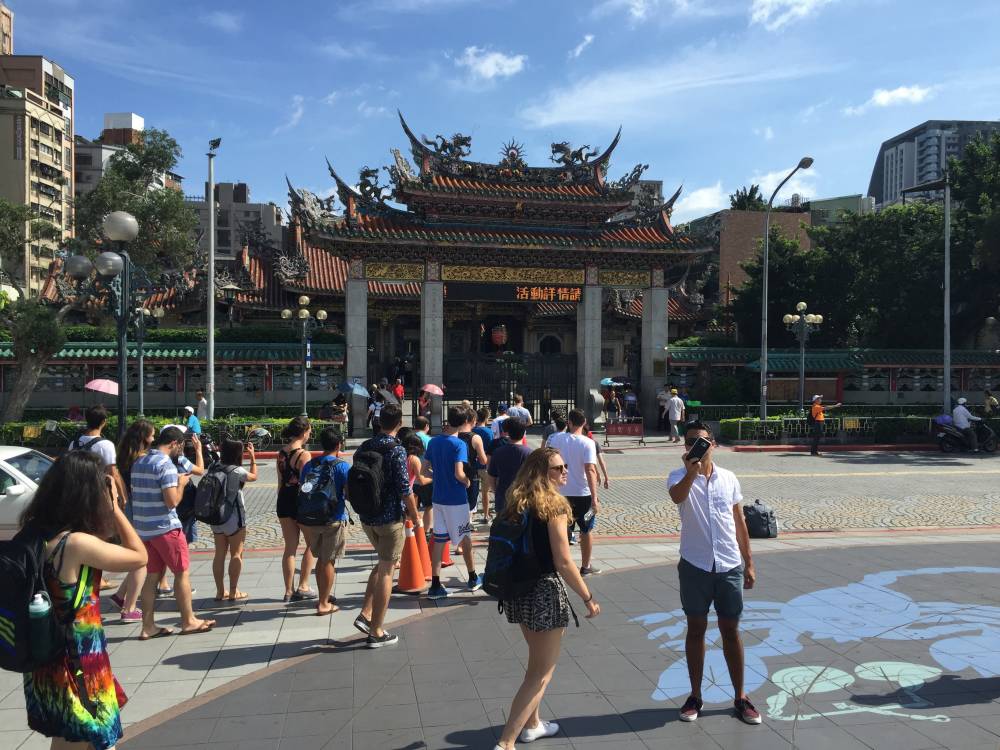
(543,613)
(291,458)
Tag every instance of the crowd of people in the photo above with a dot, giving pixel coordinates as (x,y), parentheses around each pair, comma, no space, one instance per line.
(121,508)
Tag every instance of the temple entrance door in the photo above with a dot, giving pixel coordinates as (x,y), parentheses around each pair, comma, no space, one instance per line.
(545,380)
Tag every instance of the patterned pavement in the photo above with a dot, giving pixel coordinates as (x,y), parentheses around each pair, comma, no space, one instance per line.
(834,491)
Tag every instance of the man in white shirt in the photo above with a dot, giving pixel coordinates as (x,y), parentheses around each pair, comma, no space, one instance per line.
(963,419)
(715,567)
(579,454)
(496,426)
(676,411)
(202,405)
(519,412)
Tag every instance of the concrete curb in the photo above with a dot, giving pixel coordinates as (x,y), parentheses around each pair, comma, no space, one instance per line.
(889,447)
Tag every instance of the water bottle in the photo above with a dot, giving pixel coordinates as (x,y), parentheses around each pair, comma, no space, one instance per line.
(40,628)
(588,519)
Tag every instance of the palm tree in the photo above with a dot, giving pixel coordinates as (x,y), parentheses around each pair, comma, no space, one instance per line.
(747,199)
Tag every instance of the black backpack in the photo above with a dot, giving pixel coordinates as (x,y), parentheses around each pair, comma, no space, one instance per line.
(216,495)
(761,522)
(364,483)
(468,466)
(512,569)
(316,506)
(22,575)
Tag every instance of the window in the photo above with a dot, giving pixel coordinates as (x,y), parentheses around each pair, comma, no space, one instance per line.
(222,237)
(6,482)
(607,357)
(44,128)
(32,464)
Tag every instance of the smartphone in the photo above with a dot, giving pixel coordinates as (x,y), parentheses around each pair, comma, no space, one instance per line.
(698,450)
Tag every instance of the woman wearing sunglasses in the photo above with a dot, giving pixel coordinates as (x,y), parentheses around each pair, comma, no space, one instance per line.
(544,612)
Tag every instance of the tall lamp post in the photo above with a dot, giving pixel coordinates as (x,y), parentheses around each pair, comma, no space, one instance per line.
(802,324)
(142,316)
(309,323)
(121,228)
(804,163)
(210,314)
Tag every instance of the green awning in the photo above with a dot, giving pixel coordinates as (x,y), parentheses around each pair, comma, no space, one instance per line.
(712,354)
(928,357)
(241,352)
(815,362)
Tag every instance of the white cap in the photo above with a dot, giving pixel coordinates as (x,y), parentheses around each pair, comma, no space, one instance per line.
(181,427)
(189,409)
(963,401)
(817,396)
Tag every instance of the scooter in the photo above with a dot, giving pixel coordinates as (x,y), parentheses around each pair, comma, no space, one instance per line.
(952,440)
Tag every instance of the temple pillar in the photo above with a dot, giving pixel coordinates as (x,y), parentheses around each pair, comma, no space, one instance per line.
(654,339)
(356,335)
(588,345)
(432,336)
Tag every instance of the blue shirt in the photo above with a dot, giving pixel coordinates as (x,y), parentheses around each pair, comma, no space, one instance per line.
(395,479)
(504,464)
(442,454)
(339,482)
(487,436)
(194,424)
(151,474)
(425,438)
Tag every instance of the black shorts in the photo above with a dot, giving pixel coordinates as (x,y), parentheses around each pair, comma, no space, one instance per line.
(288,501)
(701,589)
(581,504)
(472,494)
(425,495)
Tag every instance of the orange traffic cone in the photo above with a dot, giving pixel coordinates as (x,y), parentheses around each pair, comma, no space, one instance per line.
(425,555)
(446,561)
(411,572)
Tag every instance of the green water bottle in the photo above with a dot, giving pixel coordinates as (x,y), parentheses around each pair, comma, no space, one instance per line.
(40,627)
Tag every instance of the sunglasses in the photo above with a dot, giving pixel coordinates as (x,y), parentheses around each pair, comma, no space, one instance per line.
(562,468)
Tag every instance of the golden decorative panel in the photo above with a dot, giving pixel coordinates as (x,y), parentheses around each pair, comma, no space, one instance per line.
(395,271)
(625,278)
(513,275)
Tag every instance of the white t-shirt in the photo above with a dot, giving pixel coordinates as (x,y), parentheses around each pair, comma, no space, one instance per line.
(519,412)
(202,410)
(577,451)
(497,424)
(101,446)
(708,528)
(662,398)
(675,408)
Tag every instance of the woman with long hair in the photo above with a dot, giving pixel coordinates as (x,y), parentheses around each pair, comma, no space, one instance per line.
(291,458)
(230,536)
(135,443)
(75,698)
(543,613)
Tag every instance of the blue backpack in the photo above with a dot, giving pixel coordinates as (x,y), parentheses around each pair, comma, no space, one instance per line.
(512,570)
(318,493)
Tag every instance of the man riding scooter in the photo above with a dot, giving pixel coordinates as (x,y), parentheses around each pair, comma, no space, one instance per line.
(962,418)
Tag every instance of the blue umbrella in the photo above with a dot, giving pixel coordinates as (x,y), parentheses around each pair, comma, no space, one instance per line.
(610,382)
(353,389)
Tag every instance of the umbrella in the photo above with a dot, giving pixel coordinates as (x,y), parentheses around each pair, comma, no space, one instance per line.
(353,389)
(389,396)
(102,385)
(610,383)
(432,390)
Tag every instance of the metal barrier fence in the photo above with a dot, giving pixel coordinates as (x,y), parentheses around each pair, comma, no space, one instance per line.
(797,428)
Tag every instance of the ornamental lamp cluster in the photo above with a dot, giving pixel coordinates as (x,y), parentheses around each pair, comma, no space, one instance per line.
(303,313)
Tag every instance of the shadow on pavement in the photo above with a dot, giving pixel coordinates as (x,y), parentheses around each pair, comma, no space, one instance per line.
(948,691)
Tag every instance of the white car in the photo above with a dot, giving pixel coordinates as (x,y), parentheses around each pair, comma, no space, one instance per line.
(21,469)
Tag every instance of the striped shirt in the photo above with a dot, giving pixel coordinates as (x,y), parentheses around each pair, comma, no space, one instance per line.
(151,474)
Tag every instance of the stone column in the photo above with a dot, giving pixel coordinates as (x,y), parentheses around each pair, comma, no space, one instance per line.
(654,338)
(356,334)
(588,343)
(432,336)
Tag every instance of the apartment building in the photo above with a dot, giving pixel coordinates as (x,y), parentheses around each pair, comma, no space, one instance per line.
(6,30)
(234,211)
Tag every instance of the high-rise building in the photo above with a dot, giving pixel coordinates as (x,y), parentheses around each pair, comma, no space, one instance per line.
(92,157)
(6,30)
(234,211)
(920,155)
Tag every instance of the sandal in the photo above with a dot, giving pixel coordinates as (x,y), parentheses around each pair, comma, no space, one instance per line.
(328,612)
(205,626)
(241,596)
(160,633)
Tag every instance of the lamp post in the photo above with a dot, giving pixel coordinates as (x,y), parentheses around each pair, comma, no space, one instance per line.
(229,292)
(802,324)
(142,315)
(804,163)
(309,322)
(210,314)
(121,228)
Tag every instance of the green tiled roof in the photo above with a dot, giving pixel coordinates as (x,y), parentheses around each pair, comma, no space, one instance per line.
(242,352)
(721,355)
(928,357)
(830,361)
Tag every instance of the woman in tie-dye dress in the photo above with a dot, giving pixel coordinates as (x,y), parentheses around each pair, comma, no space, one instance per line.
(76,698)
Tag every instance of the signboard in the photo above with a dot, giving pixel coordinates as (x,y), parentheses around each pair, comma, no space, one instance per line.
(309,354)
(19,137)
(625,429)
(463,291)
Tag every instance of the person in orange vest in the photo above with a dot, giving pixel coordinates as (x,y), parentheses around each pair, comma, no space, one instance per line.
(817,417)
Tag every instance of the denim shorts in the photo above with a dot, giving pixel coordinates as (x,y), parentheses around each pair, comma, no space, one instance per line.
(700,589)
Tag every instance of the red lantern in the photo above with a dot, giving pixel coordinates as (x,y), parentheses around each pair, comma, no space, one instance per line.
(499,335)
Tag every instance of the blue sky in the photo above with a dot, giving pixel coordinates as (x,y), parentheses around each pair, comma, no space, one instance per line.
(713,94)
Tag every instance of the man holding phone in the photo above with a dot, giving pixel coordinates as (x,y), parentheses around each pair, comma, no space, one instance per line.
(715,564)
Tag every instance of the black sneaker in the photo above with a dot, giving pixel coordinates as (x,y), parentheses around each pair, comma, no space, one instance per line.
(691,709)
(591,571)
(303,596)
(363,624)
(378,641)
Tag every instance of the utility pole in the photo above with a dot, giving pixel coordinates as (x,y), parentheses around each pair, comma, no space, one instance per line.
(210,317)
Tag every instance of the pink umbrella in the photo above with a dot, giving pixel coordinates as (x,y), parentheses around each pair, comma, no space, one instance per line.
(101,385)
(432,389)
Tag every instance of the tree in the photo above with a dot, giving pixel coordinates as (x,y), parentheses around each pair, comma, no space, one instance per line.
(748,199)
(165,243)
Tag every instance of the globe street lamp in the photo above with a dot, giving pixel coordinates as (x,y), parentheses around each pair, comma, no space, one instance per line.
(309,323)
(802,324)
(804,163)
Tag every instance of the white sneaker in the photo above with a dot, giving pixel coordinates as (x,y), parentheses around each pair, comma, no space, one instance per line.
(500,747)
(544,729)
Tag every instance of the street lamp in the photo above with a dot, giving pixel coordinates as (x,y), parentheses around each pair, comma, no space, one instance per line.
(802,324)
(213,145)
(229,292)
(309,323)
(142,316)
(804,163)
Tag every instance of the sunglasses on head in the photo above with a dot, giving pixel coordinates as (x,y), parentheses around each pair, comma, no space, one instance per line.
(559,468)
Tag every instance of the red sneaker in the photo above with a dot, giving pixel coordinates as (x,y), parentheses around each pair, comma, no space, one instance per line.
(691,709)
(745,711)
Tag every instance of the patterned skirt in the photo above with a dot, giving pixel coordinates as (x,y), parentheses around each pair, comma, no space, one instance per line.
(546,607)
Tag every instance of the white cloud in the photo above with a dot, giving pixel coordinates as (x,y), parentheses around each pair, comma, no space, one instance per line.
(803,183)
(699,202)
(371,110)
(891,97)
(641,10)
(331,97)
(230,23)
(578,49)
(298,109)
(487,65)
(773,14)
(355,51)
(767,132)
(653,90)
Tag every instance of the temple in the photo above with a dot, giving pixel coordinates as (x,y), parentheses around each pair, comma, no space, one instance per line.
(491,278)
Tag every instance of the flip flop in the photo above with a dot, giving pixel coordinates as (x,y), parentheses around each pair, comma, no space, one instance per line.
(203,628)
(329,612)
(160,633)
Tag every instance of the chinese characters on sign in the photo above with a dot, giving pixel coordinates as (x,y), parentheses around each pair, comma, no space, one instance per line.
(547,293)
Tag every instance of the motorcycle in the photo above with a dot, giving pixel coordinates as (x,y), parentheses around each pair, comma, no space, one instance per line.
(953,440)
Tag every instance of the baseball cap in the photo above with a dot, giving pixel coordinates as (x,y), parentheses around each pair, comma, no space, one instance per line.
(963,401)
(189,409)
(817,396)
(674,391)
(502,407)
(181,427)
